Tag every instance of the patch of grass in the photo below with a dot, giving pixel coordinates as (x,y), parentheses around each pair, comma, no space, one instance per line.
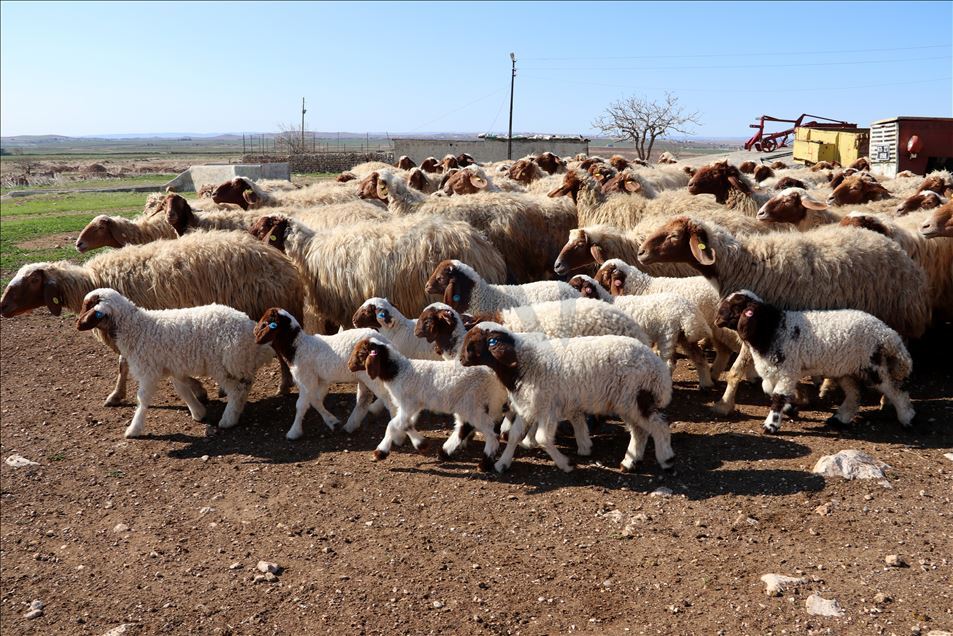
(99,202)
(139,180)
(56,457)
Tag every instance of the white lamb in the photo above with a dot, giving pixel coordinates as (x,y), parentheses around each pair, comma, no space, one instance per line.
(551,380)
(378,314)
(316,362)
(212,340)
(473,396)
(668,319)
(465,290)
(845,344)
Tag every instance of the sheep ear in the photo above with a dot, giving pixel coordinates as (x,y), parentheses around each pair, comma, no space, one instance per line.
(813,204)
(52,296)
(738,183)
(632,186)
(477,181)
(251,197)
(447,317)
(702,252)
(505,354)
(89,320)
(597,254)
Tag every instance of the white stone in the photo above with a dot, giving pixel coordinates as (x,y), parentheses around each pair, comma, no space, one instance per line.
(125,628)
(661,491)
(949,456)
(850,464)
(778,583)
(18,461)
(818,606)
(265,566)
(120,527)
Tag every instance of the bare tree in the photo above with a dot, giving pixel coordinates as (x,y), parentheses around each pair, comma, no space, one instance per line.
(644,121)
(292,140)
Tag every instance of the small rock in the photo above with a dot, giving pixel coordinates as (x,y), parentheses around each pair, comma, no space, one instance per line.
(270,578)
(205,510)
(938,632)
(896,561)
(153,555)
(258,578)
(437,605)
(661,491)
(880,598)
(850,464)
(18,461)
(204,458)
(824,509)
(818,606)
(33,614)
(265,566)
(125,628)
(949,456)
(120,527)
(628,531)
(778,583)
(615,516)
(235,566)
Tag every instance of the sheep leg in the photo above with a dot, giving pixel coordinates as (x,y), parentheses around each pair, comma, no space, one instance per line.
(657,427)
(638,440)
(529,437)
(287,380)
(697,357)
(666,351)
(302,405)
(546,438)
(722,356)
(491,444)
(317,401)
(738,372)
(827,386)
(198,390)
(848,408)
(781,394)
(517,430)
(237,391)
(581,432)
(900,399)
(183,387)
(147,388)
(399,423)
(457,439)
(119,392)
(361,407)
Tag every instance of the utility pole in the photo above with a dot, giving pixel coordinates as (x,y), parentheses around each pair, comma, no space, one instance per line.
(509,139)
(303,111)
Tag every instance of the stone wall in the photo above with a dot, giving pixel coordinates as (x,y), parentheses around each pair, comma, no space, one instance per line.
(485,150)
(322,161)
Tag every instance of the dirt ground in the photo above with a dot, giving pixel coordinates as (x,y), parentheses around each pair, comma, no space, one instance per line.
(164,533)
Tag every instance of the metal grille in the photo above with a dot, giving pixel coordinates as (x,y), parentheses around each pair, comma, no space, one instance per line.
(883,142)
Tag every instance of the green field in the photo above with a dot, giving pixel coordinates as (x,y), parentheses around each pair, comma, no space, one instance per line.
(93,184)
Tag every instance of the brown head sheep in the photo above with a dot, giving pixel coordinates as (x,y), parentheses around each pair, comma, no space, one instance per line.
(405,163)
(857,189)
(939,224)
(926,200)
(748,167)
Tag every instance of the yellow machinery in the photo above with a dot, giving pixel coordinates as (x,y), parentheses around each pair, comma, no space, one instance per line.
(812,145)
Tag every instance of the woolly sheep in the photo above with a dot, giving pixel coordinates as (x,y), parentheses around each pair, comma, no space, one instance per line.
(366,260)
(527,230)
(246,194)
(939,181)
(668,319)
(940,223)
(473,395)
(381,316)
(845,344)
(729,186)
(228,268)
(551,380)
(211,340)
(621,279)
(926,200)
(828,268)
(464,289)
(316,362)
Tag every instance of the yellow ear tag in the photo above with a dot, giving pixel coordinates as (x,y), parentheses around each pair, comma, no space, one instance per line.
(56,300)
(701,246)
(272,237)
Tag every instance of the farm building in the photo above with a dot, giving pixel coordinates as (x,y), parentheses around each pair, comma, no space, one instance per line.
(918,144)
(489,148)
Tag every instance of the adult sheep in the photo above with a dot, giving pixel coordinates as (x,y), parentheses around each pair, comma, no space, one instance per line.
(389,260)
(227,268)
(828,268)
(246,194)
(526,230)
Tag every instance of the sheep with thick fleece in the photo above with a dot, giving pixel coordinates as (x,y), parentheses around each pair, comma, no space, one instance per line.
(526,229)
(473,395)
(939,223)
(246,194)
(729,186)
(621,279)
(464,289)
(827,268)
(845,344)
(381,316)
(316,363)
(934,256)
(227,268)
(212,340)
(389,260)
(668,320)
(551,380)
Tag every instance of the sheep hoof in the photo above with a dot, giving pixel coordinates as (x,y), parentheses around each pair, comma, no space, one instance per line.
(444,455)
(770,429)
(500,467)
(626,469)
(113,400)
(332,424)
(668,465)
(834,422)
(505,437)
(486,464)
(422,448)
(379,455)
(790,410)
(293,435)
(723,408)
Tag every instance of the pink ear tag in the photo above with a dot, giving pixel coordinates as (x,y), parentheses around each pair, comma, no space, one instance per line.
(749,313)
(617,283)
(373,352)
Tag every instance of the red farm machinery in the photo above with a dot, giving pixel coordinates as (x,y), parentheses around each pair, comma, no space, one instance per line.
(767,142)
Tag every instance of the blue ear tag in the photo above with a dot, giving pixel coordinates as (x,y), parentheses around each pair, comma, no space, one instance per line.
(456,298)
(272,325)
(99,315)
(381,315)
(492,342)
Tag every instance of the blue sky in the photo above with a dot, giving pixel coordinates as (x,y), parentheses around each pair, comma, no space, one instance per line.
(101,68)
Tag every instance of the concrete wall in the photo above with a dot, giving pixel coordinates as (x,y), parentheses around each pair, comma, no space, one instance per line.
(323,161)
(490,150)
(197,176)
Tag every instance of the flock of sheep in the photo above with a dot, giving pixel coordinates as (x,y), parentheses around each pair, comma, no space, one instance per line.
(817,272)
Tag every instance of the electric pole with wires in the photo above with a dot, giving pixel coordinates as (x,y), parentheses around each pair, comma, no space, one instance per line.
(509,138)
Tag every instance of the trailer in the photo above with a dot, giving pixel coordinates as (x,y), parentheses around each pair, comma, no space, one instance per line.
(843,145)
(771,141)
(918,144)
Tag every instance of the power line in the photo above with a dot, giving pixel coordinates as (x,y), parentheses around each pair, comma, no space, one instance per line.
(759,53)
(450,112)
(731,67)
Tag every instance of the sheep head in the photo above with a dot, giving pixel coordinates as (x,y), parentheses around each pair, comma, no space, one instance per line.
(936,183)
(178,213)
(374,357)
(273,229)
(612,277)
(367,187)
(464,182)
(789,206)
(449,161)
(450,279)
(550,162)
(618,162)
(867,222)
(430,164)
(578,252)
(465,159)
(585,285)
(490,344)
(437,324)
(233,191)
(863,163)
(572,182)
(718,179)
(32,287)
(95,313)
(405,163)
(344,177)
(373,314)
(763,172)
(940,223)
(279,329)
(857,189)
(100,232)
(524,171)
(748,167)
(681,240)
(789,182)
(926,200)
(624,183)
